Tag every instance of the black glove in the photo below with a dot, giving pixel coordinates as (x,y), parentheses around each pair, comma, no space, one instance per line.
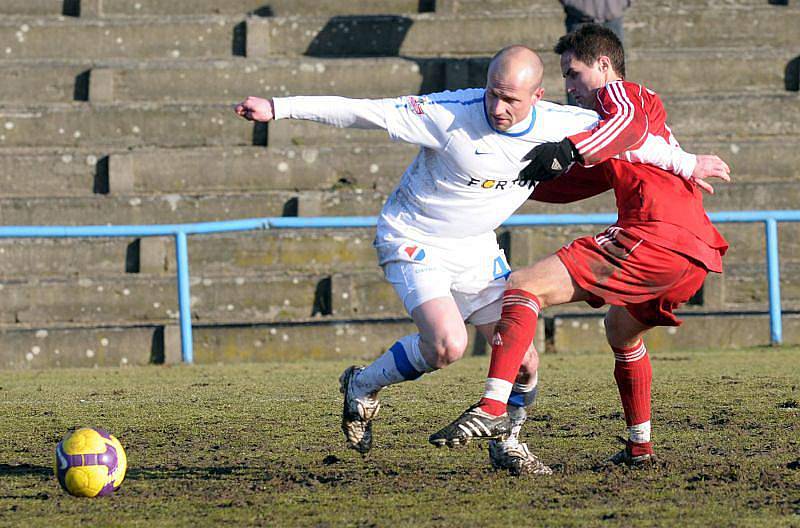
(548,161)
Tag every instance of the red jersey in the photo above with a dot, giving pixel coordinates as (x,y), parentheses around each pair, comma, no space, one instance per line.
(652,203)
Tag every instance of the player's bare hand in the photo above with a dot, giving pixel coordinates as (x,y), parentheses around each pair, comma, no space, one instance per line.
(710,166)
(256,109)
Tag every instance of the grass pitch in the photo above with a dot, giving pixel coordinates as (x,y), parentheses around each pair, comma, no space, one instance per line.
(259,445)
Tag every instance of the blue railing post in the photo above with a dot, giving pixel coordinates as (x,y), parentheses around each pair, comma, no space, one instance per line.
(184,297)
(774,282)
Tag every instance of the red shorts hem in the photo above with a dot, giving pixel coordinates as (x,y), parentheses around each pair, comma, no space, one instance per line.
(620,269)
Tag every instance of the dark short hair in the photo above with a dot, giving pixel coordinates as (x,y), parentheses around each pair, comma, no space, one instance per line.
(591,41)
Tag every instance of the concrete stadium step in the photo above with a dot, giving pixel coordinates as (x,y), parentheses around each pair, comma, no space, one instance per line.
(48,173)
(230,81)
(140,345)
(122,8)
(495,6)
(369,167)
(147,299)
(670,72)
(164,209)
(585,333)
(171,125)
(427,35)
(180,208)
(132,299)
(718,118)
(81,125)
(258,169)
(745,285)
(232,254)
(42,82)
(144,38)
(357,340)
(41,258)
(32,7)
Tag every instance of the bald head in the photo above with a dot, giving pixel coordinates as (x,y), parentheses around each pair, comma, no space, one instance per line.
(513,86)
(519,66)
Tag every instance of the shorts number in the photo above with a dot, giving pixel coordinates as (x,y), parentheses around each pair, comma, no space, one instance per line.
(501,269)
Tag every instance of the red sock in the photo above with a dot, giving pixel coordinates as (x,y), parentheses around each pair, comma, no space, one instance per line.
(634,375)
(512,338)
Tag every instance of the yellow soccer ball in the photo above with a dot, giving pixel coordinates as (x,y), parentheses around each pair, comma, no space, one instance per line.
(90,463)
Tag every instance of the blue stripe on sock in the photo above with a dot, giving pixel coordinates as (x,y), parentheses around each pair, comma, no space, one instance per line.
(402,363)
(517,399)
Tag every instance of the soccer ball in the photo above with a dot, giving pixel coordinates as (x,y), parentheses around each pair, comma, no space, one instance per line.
(90,463)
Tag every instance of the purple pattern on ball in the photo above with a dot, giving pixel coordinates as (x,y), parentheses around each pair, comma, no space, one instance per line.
(102,432)
(108,489)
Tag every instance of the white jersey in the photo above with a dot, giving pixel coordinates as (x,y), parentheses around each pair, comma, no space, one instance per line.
(464,182)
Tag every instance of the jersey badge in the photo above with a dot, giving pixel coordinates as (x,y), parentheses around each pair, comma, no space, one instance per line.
(415,104)
(415,253)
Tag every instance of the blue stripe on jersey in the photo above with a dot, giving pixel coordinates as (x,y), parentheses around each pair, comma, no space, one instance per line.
(446,101)
(510,134)
(404,366)
(588,113)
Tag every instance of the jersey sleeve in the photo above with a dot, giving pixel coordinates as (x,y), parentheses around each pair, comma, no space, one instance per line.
(623,124)
(340,112)
(426,120)
(578,183)
(658,152)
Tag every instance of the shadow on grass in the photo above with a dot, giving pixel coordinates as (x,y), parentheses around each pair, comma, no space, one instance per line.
(15,470)
(156,473)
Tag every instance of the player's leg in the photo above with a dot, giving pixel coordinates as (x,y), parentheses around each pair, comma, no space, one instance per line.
(442,339)
(546,283)
(510,453)
(633,374)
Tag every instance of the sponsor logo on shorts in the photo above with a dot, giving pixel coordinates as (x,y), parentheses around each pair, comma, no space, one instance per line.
(415,253)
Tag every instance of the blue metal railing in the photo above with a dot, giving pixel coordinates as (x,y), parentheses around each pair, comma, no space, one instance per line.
(180,232)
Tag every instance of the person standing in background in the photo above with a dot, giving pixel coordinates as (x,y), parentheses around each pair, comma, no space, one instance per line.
(607,13)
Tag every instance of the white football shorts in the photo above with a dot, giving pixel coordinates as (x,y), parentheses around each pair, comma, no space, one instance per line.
(474,280)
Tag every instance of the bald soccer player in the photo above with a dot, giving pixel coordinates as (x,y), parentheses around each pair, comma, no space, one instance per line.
(435,235)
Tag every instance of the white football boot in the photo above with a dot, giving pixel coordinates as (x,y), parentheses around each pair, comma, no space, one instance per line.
(358,411)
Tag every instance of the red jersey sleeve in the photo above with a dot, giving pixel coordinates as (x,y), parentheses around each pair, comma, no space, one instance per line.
(578,183)
(623,123)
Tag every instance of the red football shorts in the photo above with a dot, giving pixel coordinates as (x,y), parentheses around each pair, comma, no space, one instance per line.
(618,268)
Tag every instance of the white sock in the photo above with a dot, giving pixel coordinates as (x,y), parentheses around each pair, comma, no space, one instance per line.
(402,362)
(522,396)
(639,433)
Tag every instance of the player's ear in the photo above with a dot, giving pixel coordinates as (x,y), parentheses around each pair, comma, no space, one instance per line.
(537,95)
(604,64)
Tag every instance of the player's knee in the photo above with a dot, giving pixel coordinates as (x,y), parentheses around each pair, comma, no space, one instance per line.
(518,281)
(530,283)
(529,366)
(450,347)
(612,333)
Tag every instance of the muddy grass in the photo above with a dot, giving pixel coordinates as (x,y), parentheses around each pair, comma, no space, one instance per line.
(253,445)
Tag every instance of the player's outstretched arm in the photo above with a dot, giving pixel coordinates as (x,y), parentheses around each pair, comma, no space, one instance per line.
(256,109)
(709,166)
